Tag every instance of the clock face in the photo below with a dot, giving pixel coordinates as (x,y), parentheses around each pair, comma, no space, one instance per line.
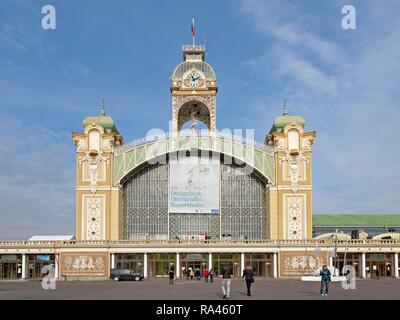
(194,79)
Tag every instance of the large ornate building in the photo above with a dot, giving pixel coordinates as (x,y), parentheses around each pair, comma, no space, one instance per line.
(194,198)
(123,190)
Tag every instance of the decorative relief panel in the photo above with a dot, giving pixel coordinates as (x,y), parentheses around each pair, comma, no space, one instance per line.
(107,145)
(81,145)
(294,169)
(306,144)
(301,263)
(93,217)
(94,169)
(280,145)
(295,213)
(84,264)
(295,223)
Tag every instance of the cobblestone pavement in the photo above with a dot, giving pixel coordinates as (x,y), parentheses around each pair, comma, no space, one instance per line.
(159,289)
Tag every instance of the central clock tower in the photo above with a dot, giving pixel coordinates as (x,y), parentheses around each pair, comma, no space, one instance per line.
(194,90)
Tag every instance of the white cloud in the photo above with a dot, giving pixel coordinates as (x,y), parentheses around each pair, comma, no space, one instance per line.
(36,181)
(304,72)
(293,51)
(282,22)
(348,93)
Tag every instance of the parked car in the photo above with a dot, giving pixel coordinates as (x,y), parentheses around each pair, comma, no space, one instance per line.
(125,274)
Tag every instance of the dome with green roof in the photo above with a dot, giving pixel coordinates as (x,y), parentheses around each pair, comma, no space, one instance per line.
(282,121)
(104,121)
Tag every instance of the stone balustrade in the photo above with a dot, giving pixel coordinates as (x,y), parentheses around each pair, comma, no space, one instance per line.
(198,243)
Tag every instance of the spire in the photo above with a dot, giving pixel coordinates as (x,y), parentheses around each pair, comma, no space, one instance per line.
(285,113)
(103,113)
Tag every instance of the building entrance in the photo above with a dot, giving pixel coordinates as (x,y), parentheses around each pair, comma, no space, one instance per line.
(261,264)
(192,262)
(10,266)
(231,261)
(37,262)
(378,265)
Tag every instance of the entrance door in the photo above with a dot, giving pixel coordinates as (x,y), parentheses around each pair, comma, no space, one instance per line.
(193,261)
(9,270)
(379,265)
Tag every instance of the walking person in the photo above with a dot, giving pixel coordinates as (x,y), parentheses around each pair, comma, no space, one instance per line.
(191,273)
(211,275)
(171,277)
(206,274)
(325,279)
(348,277)
(249,277)
(226,282)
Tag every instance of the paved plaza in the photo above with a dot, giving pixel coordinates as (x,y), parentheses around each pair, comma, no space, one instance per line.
(158,289)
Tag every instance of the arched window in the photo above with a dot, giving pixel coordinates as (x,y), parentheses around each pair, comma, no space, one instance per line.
(294,139)
(94,140)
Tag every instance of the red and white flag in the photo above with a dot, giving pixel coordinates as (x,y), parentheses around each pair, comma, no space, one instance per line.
(193,29)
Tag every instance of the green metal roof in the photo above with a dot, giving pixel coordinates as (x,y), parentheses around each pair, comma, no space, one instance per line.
(354,220)
(282,121)
(105,121)
(129,157)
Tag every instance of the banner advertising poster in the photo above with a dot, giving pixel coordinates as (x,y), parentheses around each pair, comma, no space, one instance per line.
(194,185)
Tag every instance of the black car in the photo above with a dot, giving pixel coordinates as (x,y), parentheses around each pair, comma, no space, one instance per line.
(125,274)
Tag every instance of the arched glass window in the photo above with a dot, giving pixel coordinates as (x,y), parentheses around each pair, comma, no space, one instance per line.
(145,207)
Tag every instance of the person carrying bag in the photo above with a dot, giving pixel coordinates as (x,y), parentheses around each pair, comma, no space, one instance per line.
(249,277)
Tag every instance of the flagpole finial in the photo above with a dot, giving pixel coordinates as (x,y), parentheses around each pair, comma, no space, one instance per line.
(103,113)
(285,113)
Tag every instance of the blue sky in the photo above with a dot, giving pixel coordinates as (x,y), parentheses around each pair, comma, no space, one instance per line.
(343,82)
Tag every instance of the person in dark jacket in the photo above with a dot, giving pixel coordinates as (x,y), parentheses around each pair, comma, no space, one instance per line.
(211,275)
(249,277)
(325,279)
(171,276)
(198,274)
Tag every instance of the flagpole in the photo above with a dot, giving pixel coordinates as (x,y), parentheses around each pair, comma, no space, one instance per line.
(193,34)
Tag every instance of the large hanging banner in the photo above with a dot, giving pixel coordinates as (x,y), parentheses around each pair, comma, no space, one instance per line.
(194,185)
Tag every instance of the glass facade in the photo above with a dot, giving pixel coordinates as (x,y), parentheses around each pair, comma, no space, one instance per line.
(145,200)
(242,207)
(159,264)
(243,202)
